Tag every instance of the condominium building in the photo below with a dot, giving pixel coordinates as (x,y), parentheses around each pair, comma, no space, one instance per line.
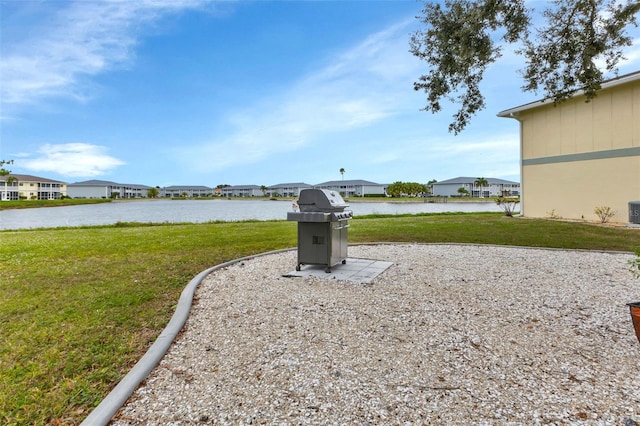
(27,187)
(287,189)
(242,191)
(106,189)
(493,187)
(190,191)
(353,188)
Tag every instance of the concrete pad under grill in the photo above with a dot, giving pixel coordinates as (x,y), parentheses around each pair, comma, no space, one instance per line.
(358,270)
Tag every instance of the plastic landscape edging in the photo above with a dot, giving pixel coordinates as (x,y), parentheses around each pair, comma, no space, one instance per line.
(104,412)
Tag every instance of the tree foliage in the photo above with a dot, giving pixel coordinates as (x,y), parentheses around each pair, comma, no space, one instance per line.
(153,193)
(7,172)
(462,38)
(411,189)
(3,171)
(481,182)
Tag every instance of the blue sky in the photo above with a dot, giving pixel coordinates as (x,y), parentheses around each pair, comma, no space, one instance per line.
(190,92)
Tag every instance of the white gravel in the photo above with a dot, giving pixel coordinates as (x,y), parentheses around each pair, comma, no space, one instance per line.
(450,334)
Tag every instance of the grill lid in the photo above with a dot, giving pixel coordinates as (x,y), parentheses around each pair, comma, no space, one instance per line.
(320,200)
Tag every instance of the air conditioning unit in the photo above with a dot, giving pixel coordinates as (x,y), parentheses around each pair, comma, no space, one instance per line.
(634,212)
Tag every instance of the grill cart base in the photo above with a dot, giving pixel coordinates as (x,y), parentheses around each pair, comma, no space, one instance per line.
(323,225)
(322,243)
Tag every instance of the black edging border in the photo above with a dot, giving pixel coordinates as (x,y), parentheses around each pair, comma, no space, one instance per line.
(104,412)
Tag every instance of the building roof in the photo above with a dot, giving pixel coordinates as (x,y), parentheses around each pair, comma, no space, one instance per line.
(291,185)
(29,178)
(96,182)
(470,180)
(242,187)
(354,182)
(617,81)
(188,187)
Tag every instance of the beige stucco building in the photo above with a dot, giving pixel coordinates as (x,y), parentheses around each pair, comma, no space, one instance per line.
(577,155)
(15,187)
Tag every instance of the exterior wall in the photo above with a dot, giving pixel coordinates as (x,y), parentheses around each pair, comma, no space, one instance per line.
(135,191)
(106,189)
(345,189)
(242,191)
(286,190)
(191,191)
(9,191)
(493,189)
(28,190)
(450,189)
(372,189)
(577,156)
(41,190)
(77,191)
(572,190)
(353,188)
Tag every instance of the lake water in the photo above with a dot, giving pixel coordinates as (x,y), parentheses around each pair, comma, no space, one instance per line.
(199,211)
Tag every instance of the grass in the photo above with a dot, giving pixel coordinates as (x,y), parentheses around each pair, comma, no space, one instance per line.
(28,204)
(79,306)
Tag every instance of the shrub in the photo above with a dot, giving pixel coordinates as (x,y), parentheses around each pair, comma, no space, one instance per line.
(604,213)
(553,215)
(508,205)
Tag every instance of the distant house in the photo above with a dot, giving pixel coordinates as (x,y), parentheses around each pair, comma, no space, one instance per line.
(287,189)
(577,155)
(190,191)
(242,191)
(31,188)
(494,187)
(354,188)
(106,189)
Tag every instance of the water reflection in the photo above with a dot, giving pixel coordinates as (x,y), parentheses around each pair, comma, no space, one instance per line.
(199,211)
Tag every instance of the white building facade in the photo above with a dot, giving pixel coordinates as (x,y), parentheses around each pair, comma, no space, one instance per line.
(106,189)
(242,191)
(190,191)
(493,188)
(287,189)
(354,188)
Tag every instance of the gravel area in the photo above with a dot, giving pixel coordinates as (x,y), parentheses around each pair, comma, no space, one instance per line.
(449,334)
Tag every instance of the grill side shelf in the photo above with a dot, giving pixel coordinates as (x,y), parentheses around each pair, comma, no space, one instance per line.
(308,216)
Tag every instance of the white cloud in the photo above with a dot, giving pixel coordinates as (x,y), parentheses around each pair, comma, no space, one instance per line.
(360,87)
(83,39)
(72,159)
(488,154)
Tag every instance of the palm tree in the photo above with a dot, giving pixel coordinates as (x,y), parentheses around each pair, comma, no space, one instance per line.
(463,192)
(342,170)
(481,182)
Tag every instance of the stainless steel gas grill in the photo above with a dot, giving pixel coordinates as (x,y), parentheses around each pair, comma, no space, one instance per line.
(323,225)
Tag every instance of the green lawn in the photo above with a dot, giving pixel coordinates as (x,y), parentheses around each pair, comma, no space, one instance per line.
(30,204)
(79,306)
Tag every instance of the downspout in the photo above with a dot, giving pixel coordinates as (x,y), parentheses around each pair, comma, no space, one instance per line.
(512,115)
(515,117)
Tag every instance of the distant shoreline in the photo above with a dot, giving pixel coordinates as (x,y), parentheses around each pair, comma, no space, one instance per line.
(32,204)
